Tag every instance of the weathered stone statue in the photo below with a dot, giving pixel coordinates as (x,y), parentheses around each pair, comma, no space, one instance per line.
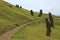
(40,13)
(48,28)
(51,20)
(31,11)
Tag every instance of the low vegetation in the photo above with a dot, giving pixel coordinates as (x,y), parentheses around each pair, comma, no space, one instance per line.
(11,17)
(36,31)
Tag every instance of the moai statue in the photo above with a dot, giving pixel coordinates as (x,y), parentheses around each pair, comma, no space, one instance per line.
(17,6)
(50,15)
(20,6)
(40,13)
(52,23)
(32,12)
(48,27)
(51,20)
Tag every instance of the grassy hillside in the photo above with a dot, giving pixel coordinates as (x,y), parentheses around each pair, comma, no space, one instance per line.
(11,16)
(37,31)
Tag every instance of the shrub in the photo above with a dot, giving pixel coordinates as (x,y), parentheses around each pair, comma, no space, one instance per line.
(17,24)
(10,6)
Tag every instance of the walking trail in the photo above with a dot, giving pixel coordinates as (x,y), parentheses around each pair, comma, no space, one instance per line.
(5,36)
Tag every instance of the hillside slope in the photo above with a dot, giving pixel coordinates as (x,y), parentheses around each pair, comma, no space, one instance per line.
(36,31)
(11,16)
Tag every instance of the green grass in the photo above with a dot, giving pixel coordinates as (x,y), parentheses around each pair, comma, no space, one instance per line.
(10,16)
(36,31)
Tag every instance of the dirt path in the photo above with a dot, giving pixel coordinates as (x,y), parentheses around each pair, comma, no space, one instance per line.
(6,35)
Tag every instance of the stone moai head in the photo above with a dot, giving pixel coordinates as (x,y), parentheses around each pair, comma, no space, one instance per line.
(17,6)
(31,11)
(40,13)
